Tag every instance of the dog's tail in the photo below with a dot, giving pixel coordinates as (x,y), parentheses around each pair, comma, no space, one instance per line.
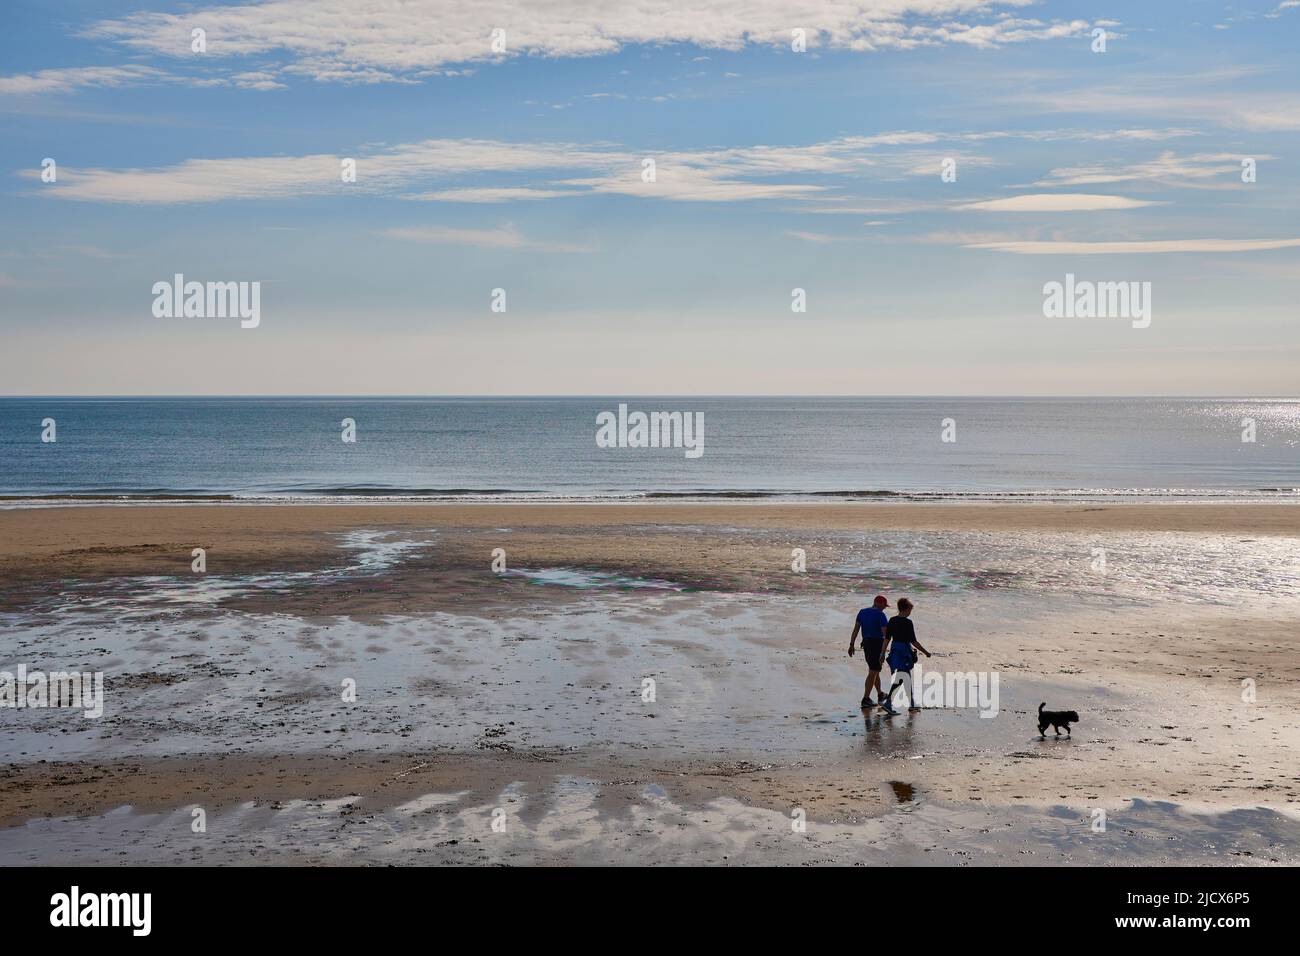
(1040,708)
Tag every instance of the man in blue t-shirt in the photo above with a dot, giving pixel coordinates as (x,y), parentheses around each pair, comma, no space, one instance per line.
(871,621)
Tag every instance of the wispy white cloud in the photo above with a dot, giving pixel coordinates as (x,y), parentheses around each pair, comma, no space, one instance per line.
(1198,170)
(683,182)
(504,237)
(1137,247)
(973,240)
(333,40)
(72,78)
(257,80)
(874,208)
(198,180)
(1256,111)
(1058,202)
(820,237)
(277,177)
(554,170)
(491,195)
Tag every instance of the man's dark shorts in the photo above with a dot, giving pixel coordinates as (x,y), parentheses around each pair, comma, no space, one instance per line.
(873,649)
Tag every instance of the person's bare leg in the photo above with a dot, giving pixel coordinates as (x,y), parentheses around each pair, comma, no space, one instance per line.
(911,692)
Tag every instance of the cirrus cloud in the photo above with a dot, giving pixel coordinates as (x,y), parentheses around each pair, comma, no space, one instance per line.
(332,40)
(504,237)
(1058,202)
(72,78)
(1148,246)
(555,170)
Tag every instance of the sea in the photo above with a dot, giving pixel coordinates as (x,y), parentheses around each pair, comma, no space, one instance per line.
(68,449)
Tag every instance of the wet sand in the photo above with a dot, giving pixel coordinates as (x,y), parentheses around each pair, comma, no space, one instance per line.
(523,692)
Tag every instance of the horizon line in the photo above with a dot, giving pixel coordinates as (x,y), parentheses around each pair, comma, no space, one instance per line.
(642,395)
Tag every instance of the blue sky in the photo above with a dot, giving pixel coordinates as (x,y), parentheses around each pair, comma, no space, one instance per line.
(775,170)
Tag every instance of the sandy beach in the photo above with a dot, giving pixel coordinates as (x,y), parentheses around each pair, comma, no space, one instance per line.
(517,694)
(467,435)
(109,541)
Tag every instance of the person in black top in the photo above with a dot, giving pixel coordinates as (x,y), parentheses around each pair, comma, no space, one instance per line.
(871,621)
(900,636)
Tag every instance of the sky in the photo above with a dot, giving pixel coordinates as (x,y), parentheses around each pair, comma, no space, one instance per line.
(501,145)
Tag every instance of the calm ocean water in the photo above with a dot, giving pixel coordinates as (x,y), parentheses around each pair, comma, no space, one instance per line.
(546,447)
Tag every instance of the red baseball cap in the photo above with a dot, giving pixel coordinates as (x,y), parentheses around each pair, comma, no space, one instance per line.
(881,599)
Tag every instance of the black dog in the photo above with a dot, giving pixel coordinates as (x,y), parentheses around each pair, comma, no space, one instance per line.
(1057,718)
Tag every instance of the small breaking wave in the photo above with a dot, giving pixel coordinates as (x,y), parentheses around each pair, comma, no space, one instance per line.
(380,494)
